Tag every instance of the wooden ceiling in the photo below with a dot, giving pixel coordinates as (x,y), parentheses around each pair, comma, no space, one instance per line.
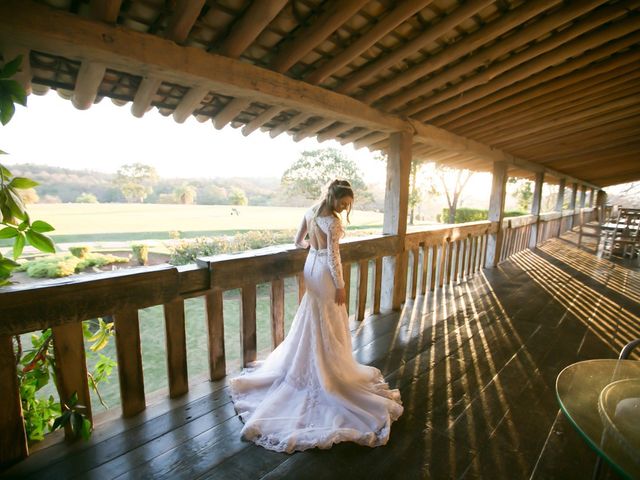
(544,85)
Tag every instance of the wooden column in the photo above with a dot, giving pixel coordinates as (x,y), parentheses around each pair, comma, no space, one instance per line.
(535,209)
(248,338)
(591,196)
(560,198)
(71,367)
(129,361)
(13,438)
(396,204)
(583,195)
(496,211)
(572,203)
(215,334)
(176,342)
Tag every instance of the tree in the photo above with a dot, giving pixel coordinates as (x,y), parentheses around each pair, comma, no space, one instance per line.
(523,193)
(136,181)
(315,169)
(185,194)
(85,197)
(29,195)
(415,194)
(238,197)
(451,184)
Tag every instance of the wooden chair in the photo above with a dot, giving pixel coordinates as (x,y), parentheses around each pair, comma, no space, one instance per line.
(624,238)
(590,230)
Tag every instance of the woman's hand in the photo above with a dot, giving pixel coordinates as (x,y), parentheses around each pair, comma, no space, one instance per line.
(341,296)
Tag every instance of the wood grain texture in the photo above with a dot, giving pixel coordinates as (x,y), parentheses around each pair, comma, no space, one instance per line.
(13,438)
(277,312)
(215,334)
(129,362)
(176,344)
(248,339)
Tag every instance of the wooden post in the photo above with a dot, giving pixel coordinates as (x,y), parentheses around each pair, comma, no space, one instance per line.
(591,196)
(13,438)
(277,312)
(176,341)
(396,204)
(215,334)
(363,280)
(71,367)
(572,203)
(496,211)
(560,202)
(583,195)
(346,276)
(248,338)
(129,361)
(301,287)
(377,285)
(535,209)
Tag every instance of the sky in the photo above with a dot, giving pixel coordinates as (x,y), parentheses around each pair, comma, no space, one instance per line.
(51,131)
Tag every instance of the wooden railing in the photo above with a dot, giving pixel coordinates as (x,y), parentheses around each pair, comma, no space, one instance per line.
(440,256)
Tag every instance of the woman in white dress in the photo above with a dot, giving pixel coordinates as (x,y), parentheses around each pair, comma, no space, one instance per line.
(310,392)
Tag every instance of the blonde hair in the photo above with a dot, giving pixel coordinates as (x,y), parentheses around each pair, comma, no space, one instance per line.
(335,191)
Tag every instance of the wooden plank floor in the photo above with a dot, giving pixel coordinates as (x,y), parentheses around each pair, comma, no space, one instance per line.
(476,364)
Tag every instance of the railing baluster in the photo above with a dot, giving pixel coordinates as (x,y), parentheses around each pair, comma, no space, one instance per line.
(456,267)
(13,438)
(277,312)
(414,272)
(434,266)
(346,276)
(377,285)
(449,279)
(71,367)
(301,286)
(425,265)
(129,361)
(215,333)
(248,325)
(363,280)
(443,262)
(176,341)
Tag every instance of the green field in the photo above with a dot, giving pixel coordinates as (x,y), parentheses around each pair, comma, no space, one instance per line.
(122,222)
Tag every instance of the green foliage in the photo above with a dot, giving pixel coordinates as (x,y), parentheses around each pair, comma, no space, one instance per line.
(237,197)
(37,369)
(15,223)
(315,169)
(135,181)
(63,265)
(141,253)
(80,252)
(464,215)
(188,250)
(85,197)
(186,194)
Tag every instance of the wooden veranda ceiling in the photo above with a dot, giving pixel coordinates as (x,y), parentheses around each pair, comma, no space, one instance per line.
(541,84)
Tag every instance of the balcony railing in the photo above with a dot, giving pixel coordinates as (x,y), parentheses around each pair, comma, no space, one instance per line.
(440,256)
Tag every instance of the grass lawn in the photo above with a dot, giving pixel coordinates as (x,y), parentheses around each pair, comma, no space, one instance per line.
(76,222)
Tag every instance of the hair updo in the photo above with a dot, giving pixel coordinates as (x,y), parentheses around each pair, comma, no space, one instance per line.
(335,191)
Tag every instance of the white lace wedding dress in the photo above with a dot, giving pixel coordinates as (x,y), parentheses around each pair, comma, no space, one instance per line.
(310,392)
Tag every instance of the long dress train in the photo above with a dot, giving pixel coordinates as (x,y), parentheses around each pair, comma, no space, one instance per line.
(310,392)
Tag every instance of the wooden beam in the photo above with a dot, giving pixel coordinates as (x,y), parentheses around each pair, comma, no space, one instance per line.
(549,85)
(184,17)
(445,25)
(369,139)
(88,81)
(260,120)
(394,18)
(229,112)
(549,52)
(144,96)
(335,14)
(49,30)
(300,117)
(313,127)
(468,44)
(105,10)
(253,22)
(189,103)
(334,131)
(550,73)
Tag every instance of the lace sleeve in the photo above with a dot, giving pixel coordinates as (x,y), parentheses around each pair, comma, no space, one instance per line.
(333,252)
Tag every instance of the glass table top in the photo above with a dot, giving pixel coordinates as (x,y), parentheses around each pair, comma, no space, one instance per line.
(601,398)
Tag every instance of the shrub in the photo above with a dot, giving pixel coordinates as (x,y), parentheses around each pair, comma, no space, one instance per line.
(55,266)
(80,251)
(188,250)
(464,215)
(141,253)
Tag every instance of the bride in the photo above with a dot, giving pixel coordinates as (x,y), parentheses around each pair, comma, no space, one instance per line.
(310,392)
